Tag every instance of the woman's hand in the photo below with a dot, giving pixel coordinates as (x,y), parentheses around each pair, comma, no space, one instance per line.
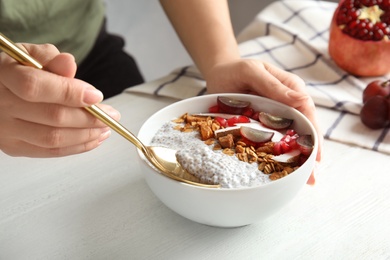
(256,77)
(41,111)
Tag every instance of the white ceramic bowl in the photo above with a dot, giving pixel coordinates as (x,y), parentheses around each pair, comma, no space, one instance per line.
(226,207)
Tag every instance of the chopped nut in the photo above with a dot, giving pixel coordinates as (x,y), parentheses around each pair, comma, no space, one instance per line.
(288,169)
(243,157)
(178,120)
(262,166)
(177,127)
(278,175)
(228,151)
(269,168)
(206,132)
(267,148)
(215,127)
(226,141)
(240,149)
(241,143)
(252,155)
(191,118)
(225,131)
(209,141)
(217,147)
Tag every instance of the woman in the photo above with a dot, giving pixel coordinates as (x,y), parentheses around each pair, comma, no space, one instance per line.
(54,124)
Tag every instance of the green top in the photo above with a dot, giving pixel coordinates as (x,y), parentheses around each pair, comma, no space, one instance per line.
(71,25)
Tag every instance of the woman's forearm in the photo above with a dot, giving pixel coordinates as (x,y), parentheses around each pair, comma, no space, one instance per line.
(205,29)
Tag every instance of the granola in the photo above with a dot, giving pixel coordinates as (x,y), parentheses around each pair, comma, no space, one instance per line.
(231,143)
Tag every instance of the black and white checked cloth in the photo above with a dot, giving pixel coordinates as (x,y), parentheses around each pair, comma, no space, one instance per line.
(293,35)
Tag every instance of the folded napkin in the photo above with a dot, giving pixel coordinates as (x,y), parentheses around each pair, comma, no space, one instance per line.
(293,35)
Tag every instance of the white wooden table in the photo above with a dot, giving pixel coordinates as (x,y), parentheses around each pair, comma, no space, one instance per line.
(97,205)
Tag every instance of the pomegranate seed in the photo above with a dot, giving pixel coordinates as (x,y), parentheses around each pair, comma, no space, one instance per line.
(290,132)
(248,112)
(293,144)
(237,119)
(277,150)
(285,147)
(286,138)
(214,109)
(221,121)
(248,142)
(255,115)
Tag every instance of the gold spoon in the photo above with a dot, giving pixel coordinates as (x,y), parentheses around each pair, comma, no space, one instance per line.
(164,159)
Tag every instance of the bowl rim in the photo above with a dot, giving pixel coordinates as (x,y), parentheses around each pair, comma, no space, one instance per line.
(264,185)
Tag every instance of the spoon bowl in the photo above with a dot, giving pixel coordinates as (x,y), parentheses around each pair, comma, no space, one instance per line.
(162,158)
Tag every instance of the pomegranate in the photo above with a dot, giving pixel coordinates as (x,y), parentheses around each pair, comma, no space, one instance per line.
(359,37)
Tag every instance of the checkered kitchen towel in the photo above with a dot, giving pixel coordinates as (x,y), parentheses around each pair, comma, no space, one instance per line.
(294,36)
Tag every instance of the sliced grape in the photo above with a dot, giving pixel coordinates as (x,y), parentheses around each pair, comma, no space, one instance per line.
(232,106)
(305,143)
(274,122)
(256,135)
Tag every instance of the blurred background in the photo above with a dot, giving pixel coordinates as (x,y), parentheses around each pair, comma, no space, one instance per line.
(151,39)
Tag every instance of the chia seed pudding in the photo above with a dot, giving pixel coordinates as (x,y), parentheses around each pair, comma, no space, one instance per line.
(211,166)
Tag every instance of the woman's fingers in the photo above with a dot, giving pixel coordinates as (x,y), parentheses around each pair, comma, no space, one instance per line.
(63,64)
(36,85)
(41,111)
(41,86)
(51,114)
(15,147)
(50,137)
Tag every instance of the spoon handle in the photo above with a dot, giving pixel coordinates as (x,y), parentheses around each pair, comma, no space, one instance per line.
(24,58)
(18,54)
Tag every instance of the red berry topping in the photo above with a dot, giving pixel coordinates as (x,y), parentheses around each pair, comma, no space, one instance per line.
(237,120)
(214,109)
